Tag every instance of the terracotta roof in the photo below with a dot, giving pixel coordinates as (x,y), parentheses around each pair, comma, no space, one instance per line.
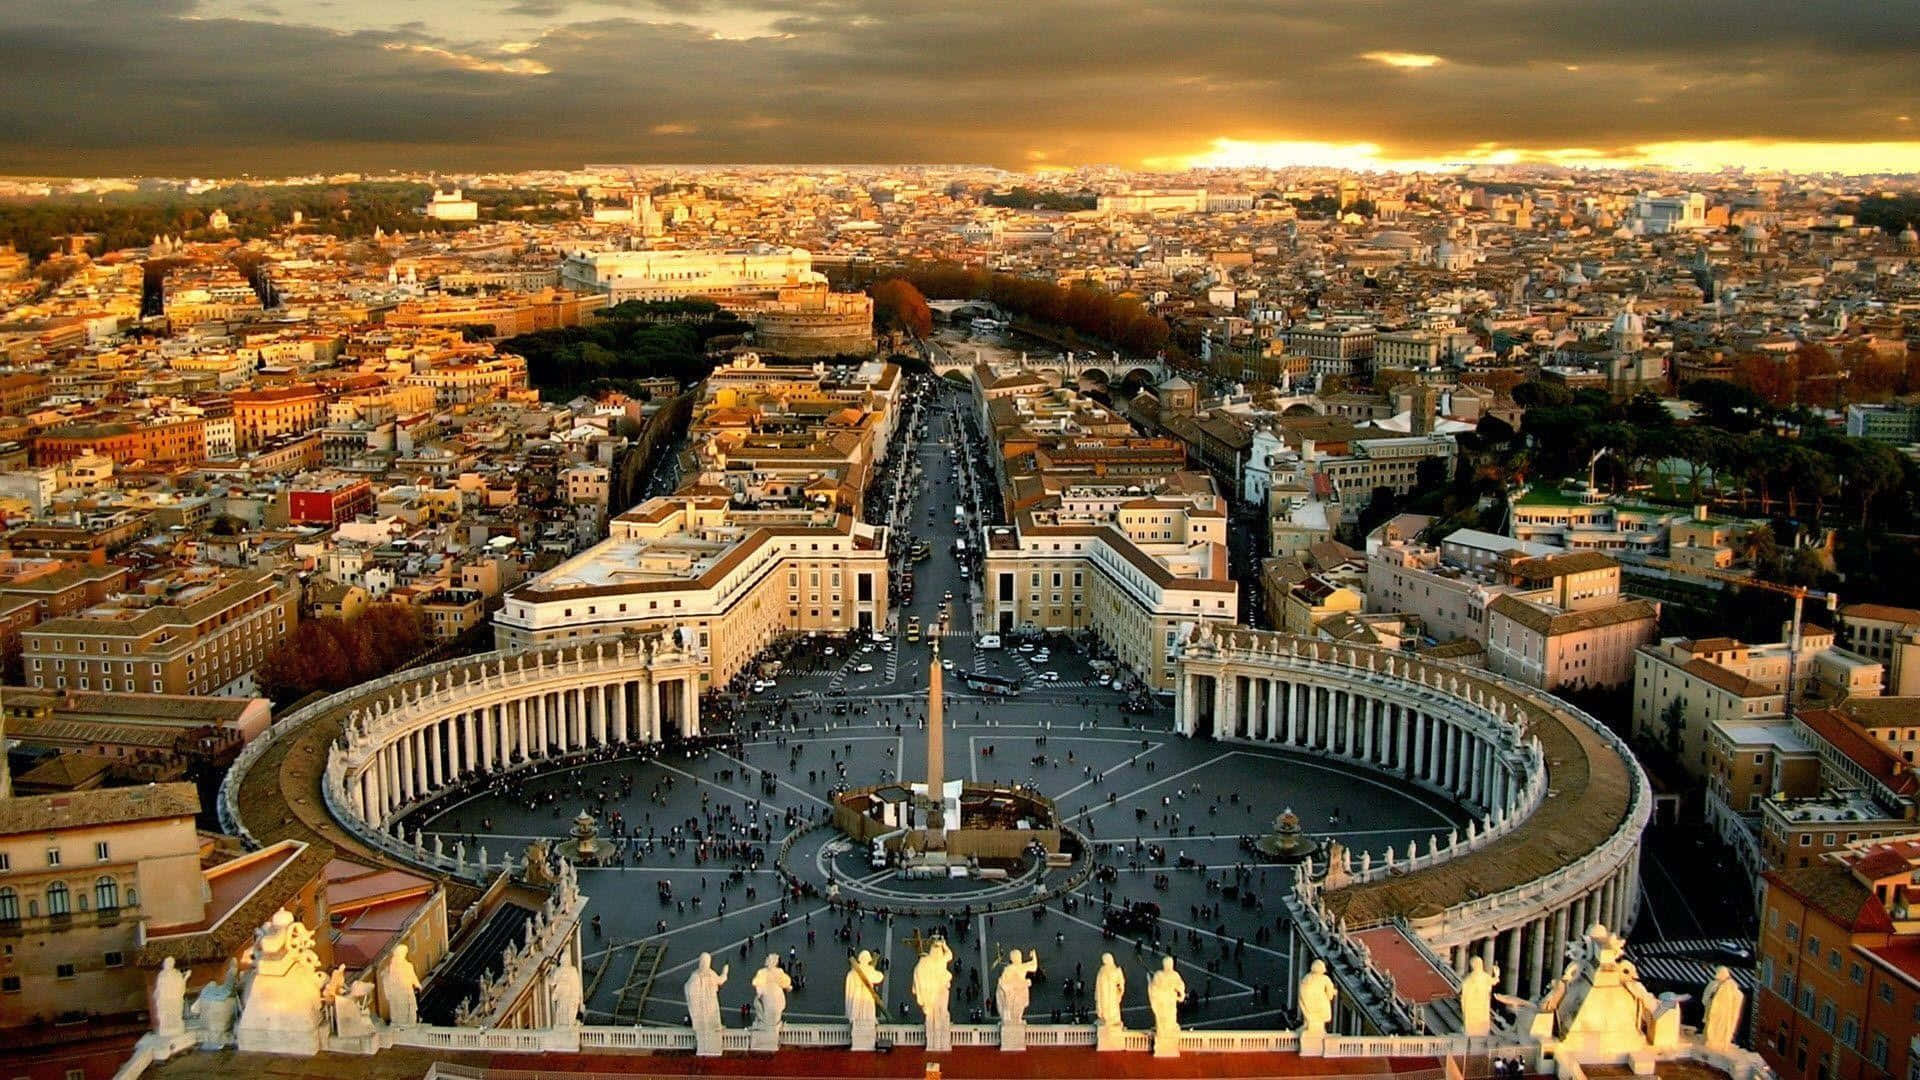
(105,806)
(1550,622)
(1548,567)
(1881,612)
(1850,739)
(269,880)
(1835,892)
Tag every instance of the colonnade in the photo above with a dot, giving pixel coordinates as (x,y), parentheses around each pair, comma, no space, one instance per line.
(1474,759)
(1470,736)
(444,738)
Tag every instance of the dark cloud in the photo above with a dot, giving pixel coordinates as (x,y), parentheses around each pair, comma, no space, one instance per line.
(138,85)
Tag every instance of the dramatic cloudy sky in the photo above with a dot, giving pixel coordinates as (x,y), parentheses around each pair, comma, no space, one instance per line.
(200,86)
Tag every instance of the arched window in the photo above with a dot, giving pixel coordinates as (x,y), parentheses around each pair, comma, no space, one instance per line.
(58,902)
(9,906)
(106,894)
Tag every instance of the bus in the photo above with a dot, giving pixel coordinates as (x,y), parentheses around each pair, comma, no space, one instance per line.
(992,684)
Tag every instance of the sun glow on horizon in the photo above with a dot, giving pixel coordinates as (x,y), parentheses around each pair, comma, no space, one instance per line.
(1701,156)
(1403,59)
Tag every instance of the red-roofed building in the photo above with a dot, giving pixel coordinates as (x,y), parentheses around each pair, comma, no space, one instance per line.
(1838,995)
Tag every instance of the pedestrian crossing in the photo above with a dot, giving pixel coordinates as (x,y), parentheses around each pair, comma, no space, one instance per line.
(1679,971)
(1687,946)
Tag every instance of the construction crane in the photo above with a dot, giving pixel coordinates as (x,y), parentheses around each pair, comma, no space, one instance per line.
(1798,592)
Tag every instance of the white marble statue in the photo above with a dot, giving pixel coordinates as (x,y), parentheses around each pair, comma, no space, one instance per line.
(1010,996)
(282,1012)
(399,984)
(860,994)
(932,979)
(770,986)
(215,1006)
(1109,987)
(1476,999)
(169,1000)
(1165,991)
(703,1005)
(352,1005)
(1012,991)
(1317,995)
(565,996)
(1723,1002)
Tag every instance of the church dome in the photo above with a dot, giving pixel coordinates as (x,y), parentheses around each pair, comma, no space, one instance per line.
(1909,239)
(1629,324)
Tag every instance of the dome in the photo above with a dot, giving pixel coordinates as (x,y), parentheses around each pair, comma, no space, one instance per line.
(1754,231)
(1629,323)
(1574,276)
(1909,238)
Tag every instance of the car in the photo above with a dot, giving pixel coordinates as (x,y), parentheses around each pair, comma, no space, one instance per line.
(761,686)
(864,669)
(1041,655)
(1106,680)
(1027,647)
(946,662)
(829,650)
(887,645)
(1050,676)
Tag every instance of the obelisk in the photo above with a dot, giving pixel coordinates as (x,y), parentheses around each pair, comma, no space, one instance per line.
(936,833)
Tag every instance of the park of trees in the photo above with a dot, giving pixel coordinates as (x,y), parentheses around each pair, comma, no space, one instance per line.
(619,345)
(327,655)
(1091,315)
(899,307)
(1026,198)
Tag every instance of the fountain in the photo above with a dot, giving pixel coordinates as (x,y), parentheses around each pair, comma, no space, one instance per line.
(586,848)
(1288,843)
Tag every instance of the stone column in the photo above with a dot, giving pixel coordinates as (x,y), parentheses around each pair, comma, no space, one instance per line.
(620,711)
(1557,942)
(542,736)
(1536,960)
(691,711)
(433,756)
(1510,972)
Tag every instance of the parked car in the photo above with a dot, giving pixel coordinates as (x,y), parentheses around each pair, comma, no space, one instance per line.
(864,669)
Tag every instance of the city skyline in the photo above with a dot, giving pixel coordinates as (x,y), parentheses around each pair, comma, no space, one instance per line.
(210,86)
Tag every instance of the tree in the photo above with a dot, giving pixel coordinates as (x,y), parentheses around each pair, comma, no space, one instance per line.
(1536,392)
(899,306)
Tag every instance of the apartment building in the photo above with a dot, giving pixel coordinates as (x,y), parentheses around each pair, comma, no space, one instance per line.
(1838,979)
(81,874)
(262,416)
(200,631)
(1888,634)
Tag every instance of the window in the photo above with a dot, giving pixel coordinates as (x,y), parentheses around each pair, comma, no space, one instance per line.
(9,906)
(58,901)
(1886,993)
(53,856)
(63,971)
(106,894)
(113,960)
(100,851)
(1856,973)
(1877,1050)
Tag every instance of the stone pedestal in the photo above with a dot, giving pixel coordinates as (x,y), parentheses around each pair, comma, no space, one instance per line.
(1109,1037)
(939,1037)
(1166,1044)
(1013,1035)
(1643,1061)
(763,1040)
(865,1034)
(706,1042)
(1314,1045)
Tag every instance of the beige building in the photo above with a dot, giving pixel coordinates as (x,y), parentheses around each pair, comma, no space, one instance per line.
(204,631)
(80,874)
(1134,578)
(1565,624)
(731,579)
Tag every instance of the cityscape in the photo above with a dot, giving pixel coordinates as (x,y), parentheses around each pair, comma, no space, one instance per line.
(1398,567)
